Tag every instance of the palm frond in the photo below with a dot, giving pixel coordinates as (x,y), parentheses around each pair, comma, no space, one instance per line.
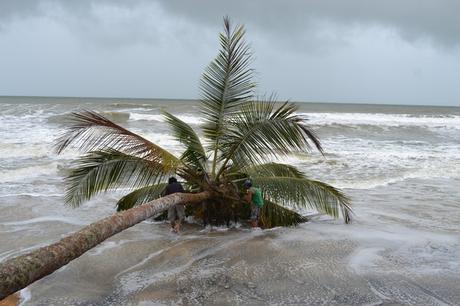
(262,130)
(242,136)
(305,193)
(272,169)
(273,215)
(141,196)
(225,84)
(194,153)
(90,131)
(99,171)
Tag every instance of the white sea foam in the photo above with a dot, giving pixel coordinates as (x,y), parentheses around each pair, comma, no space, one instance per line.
(41,194)
(20,150)
(165,141)
(393,120)
(145,117)
(416,248)
(25,296)
(187,118)
(108,245)
(28,173)
(141,278)
(364,259)
(370,183)
(62,219)
(191,119)
(369,165)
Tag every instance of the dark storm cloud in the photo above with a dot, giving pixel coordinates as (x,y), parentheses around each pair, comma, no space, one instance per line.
(10,9)
(390,51)
(414,19)
(429,20)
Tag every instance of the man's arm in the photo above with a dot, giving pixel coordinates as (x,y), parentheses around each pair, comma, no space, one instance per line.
(248,197)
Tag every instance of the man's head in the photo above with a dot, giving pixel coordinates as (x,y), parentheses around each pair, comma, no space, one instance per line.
(172,179)
(247,184)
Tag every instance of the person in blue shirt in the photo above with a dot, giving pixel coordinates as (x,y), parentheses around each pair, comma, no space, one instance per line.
(176,213)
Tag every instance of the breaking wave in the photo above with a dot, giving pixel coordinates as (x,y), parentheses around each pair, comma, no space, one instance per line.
(187,118)
(389,120)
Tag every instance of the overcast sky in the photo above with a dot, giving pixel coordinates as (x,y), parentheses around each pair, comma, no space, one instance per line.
(364,51)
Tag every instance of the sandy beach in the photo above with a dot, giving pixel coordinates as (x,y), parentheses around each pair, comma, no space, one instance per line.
(382,259)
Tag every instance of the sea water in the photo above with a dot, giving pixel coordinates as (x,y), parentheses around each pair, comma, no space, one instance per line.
(399,164)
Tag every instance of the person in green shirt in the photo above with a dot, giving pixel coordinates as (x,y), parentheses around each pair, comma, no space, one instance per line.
(254,197)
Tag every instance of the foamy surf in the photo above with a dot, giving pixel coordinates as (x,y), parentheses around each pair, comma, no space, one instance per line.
(399,165)
(390,120)
(190,119)
(62,219)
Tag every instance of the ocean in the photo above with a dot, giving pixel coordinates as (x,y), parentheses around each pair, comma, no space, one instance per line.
(399,164)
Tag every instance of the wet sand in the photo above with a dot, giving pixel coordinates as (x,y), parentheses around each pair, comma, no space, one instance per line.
(391,255)
(283,266)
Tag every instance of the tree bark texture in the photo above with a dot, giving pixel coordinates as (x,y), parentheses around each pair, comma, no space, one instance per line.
(19,272)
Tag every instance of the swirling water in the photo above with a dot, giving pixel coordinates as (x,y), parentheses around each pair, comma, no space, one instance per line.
(399,164)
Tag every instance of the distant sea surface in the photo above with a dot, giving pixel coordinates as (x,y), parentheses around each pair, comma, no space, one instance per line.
(399,164)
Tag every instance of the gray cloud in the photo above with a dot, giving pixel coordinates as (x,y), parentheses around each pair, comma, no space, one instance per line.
(434,21)
(104,23)
(350,51)
(10,9)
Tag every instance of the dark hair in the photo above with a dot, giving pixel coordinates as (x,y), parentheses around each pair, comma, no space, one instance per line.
(247,183)
(172,179)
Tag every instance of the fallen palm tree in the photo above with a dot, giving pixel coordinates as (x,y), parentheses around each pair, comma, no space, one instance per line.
(17,273)
(242,137)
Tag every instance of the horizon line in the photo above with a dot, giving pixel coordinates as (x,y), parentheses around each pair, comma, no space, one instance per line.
(197,99)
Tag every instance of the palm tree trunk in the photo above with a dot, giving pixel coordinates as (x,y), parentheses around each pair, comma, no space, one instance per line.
(19,272)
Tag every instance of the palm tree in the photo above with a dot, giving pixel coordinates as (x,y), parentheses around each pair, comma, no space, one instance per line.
(241,137)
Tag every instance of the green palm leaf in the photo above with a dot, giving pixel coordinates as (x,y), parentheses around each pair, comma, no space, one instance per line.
(273,169)
(241,136)
(305,193)
(99,171)
(89,131)
(225,85)
(273,215)
(262,130)
(194,154)
(141,196)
